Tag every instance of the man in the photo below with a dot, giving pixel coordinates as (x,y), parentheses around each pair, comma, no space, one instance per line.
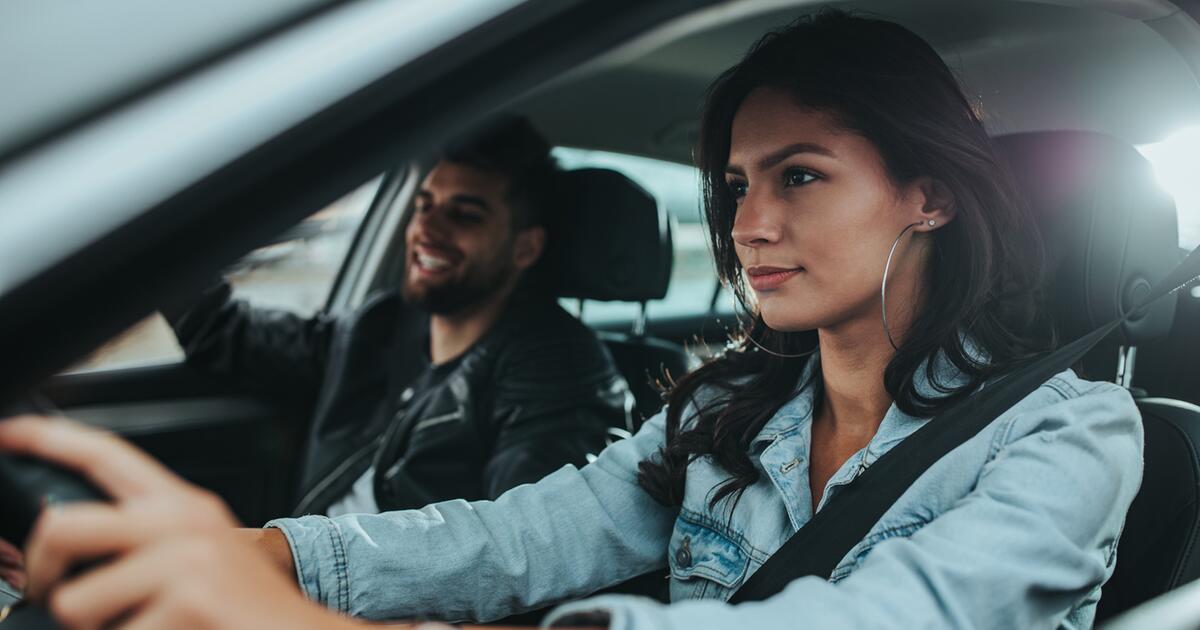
(492,386)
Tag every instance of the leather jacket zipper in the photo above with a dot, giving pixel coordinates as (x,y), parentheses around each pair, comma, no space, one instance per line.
(373,445)
(334,475)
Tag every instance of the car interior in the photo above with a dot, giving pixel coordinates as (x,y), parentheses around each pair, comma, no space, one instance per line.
(616,245)
(1072,91)
(1108,236)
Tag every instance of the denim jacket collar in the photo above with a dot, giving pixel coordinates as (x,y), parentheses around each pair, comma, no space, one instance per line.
(930,383)
(794,412)
(787,433)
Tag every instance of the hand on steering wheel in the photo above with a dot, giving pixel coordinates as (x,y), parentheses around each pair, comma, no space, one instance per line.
(162,554)
(12,566)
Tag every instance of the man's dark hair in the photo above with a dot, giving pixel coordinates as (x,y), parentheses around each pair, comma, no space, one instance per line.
(510,146)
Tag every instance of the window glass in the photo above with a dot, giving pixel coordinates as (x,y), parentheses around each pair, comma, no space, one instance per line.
(677,188)
(1175,161)
(294,272)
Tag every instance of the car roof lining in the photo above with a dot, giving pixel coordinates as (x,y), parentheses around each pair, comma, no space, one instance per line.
(1064,64)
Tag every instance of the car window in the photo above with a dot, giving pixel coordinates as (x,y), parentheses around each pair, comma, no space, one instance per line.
(677,187)
(1175,159)
(295,272)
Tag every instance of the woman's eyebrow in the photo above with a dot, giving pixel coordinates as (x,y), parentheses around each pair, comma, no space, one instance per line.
(790,150)
(780,155)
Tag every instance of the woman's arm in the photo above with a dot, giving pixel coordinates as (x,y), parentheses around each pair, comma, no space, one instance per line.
(1036,536)
(166,553)
(566,536)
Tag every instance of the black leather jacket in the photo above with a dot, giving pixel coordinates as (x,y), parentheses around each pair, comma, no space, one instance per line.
(536,392)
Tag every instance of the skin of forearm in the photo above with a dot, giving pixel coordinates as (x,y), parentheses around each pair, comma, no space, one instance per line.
(274,544)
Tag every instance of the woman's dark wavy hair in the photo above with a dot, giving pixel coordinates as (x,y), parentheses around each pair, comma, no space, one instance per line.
(881,81)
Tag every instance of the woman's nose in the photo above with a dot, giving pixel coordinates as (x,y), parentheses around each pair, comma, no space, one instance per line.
(755,224)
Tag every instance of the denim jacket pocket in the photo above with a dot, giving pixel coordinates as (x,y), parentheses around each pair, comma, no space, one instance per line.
(704,562)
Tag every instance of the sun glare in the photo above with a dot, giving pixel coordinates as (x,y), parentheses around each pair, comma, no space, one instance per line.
(1176,163)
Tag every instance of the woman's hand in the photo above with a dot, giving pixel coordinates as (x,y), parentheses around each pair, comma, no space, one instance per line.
(12,566)
(163,554)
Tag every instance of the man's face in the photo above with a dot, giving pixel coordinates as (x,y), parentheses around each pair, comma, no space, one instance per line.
(461,245)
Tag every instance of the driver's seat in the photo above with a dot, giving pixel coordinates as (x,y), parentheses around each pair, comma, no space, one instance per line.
(1101,211)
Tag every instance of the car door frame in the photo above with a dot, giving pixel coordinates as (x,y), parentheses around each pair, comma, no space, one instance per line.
(118,278)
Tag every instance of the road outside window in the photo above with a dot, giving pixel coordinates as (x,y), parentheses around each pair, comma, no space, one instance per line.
(295,272)
(1175,160)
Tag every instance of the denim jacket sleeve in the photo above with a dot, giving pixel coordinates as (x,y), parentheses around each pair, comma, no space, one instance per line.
(1036,535)
(570,534)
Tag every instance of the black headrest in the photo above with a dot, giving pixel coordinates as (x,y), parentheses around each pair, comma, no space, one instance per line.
(614,241)
(1110,231)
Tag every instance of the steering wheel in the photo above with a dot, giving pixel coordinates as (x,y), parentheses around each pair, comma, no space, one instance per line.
(26,486)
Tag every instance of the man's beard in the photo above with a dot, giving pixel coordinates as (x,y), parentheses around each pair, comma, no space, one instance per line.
(480,283)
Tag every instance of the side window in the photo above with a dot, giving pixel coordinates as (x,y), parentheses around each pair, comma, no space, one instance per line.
(677,187)
(295,272)
(1175,160)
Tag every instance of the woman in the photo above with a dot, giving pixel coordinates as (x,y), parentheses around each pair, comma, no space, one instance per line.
(859,212)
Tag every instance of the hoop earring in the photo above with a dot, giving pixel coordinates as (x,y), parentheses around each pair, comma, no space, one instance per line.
(883,290)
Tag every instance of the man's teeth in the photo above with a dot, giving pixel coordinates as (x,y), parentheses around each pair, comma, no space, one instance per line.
(431,262)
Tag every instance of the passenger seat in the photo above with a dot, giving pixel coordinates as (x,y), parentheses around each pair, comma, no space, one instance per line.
(614,244)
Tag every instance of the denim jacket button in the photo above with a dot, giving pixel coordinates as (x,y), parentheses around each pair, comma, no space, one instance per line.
(683,555)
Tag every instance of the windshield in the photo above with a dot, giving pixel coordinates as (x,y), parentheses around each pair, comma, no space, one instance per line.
(157,146)
(59,58)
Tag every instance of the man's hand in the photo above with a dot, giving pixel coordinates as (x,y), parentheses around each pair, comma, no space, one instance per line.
(163,554)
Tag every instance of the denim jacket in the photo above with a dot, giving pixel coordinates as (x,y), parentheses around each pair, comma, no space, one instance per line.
(1016,528)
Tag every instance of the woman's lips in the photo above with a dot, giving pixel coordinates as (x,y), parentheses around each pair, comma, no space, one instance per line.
(764,278)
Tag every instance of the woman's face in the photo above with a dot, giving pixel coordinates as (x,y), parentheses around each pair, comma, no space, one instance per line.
(816,216)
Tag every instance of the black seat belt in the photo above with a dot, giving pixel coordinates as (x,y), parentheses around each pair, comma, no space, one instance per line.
(818,547)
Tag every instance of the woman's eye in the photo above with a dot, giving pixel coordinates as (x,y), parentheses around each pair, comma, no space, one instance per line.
(737,189)
(798,177)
